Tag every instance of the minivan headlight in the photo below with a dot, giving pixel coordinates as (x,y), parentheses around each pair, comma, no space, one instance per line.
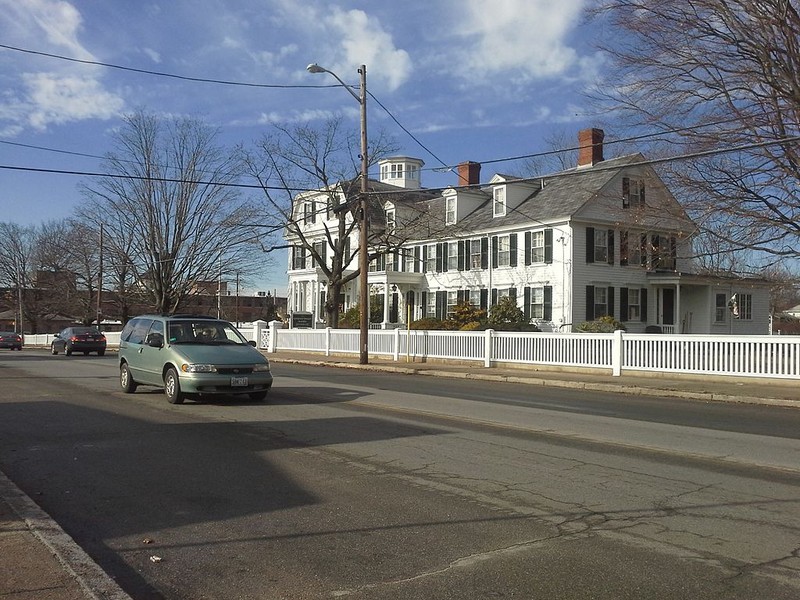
(198,368)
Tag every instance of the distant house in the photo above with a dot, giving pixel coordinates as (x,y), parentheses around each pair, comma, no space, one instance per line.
(606,238)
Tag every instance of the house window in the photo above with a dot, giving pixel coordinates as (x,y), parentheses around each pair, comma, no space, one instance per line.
(310,212)
(397,171)
(321,249)
(452,302)
(741,306)
(384,172)
(450,210)
(630,249)
(600,302)
(378,263)
(499,202)
(632,192)
(430,308)
(537,247)
(412,172)
(430,258)
(299,257)
(475,298)
(390,221)
(408,260)
(503,250)
(600,245)
(475,254)
(720,308)
(634,304)
(452,256)
(537,303)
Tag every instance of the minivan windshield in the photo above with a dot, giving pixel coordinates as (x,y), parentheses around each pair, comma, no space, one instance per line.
(199,331)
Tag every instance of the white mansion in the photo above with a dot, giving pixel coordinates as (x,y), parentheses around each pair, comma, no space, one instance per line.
(604,238)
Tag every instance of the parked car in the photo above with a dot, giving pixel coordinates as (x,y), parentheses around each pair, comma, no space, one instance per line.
(79,339)
(11,340)
(191,355)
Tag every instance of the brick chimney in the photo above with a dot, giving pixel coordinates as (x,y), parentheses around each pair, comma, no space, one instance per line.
(590,143)
(469,173)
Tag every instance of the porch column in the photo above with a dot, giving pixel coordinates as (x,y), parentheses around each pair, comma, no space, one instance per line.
(385,304)
(678,316)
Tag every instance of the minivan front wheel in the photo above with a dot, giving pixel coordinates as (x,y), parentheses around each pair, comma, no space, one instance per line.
(172,387)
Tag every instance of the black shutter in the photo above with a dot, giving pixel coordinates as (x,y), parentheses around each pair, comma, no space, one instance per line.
(461,260)
(494,296)
(643,302)
(495,252)
(512,292)
(417,264)
(424,264)
(590,244)
(641,192)
(424,304)
(590,303)
(611,246)
(611,302)
(528,248)
(548,303)
(548,246)
(626,192)
(484,299)
(441,258)
(643,250)
(462,296)
(441,305)
(513,249)
(623,304)
(484,253)
(527,303)
(623,248)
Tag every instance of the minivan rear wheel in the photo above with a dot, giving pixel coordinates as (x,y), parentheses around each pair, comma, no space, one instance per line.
(172,387)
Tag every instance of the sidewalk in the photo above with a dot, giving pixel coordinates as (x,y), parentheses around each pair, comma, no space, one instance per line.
(38,561)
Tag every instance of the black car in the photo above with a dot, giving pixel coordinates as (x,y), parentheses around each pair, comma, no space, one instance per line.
(79,339)
(9,339)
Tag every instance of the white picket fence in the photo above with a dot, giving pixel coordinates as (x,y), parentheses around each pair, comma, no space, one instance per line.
(742,356)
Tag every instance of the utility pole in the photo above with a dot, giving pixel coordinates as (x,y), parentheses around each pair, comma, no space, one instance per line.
(100,281)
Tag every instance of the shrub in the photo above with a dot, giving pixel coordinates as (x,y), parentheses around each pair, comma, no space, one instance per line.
(507,314)
(605,324)
(434,324)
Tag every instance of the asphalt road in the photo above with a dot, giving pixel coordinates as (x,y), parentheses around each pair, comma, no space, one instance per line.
(381,486)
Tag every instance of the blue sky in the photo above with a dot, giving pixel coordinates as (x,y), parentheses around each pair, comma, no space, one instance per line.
(471,80)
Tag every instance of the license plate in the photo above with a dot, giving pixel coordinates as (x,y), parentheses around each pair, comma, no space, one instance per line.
(238,381)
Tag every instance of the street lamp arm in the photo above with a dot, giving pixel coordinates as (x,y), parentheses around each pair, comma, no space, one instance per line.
(315,68)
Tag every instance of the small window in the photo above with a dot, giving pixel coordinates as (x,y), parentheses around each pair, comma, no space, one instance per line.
(450,210)
(452,256)
(408,260)
(741,306)
(475,298)
(430,259)
(632,192)
(499,202)
(475,254)
(503,250)
(310,212)
(452,302)
(390,221)
(600,245)
(634,304)
(537,303)
(720,308)
(537,247)
(600,302)
(430,309)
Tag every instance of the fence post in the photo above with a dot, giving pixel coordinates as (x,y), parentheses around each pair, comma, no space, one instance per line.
(617,346)
(396,354)
(272,340)
(487,348)
(328,331)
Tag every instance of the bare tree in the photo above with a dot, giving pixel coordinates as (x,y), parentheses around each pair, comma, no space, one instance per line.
(172,213)
(722,77)
(16,266)
(310,175)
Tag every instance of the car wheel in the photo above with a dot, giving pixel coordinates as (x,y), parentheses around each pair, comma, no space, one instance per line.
(126,381)
(67,350)
(101,352)
(53,349)
(172,387)
(258,396)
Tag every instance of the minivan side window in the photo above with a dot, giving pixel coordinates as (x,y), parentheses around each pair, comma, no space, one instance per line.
(139,330)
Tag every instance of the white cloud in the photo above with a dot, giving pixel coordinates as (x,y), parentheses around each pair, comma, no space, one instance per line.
(523,38)
(152,54)
(67,92)
(56,99)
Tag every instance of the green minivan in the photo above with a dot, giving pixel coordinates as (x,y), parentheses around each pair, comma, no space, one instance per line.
(191,355)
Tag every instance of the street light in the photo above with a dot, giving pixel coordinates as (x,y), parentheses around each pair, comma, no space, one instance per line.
(363,258)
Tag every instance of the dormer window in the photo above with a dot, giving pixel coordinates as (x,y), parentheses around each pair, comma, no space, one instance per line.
(632,192)
(391,222)
(499,202)
(450,210)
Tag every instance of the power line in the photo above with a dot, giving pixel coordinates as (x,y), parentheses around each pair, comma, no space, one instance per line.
(162,74)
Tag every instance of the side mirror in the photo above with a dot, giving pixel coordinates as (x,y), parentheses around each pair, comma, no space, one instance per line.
(252,343)
(155,340)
